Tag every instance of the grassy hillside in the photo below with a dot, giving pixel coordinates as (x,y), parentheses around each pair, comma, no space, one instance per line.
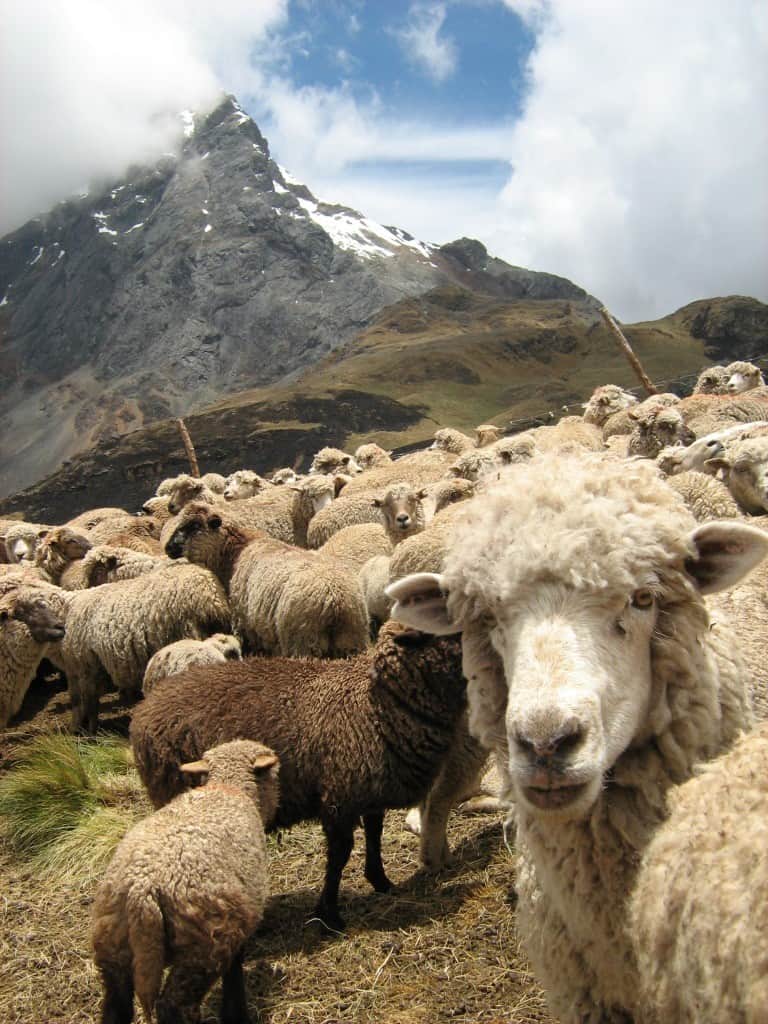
(450,358)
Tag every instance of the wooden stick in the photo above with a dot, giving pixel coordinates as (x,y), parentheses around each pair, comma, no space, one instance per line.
(189,448)
(634,362)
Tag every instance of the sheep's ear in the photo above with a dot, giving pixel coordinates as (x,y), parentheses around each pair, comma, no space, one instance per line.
(4,615)
(195,768)
(725,553)
(377,502)
(423,493)
(41,534)
(110,562)
(214,522)
(718,462)
(421,601)
(264,762)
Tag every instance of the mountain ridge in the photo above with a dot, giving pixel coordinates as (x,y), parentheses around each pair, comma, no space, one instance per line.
(212,271)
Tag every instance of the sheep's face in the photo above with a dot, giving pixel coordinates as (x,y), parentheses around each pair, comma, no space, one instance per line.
(605,401)
(243,484)
(745,469)
(402,509)
(743,377)
(713,381)
(228,645)
(21,548)
(32,611)
(559,592)
(284,476)
(578,672)
(369,455)
(192,537)
(184,492)
(333,460)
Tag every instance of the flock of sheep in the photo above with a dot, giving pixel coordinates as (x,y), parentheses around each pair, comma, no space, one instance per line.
(583,604)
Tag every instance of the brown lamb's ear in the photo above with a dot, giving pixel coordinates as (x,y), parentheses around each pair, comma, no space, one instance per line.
(264,762)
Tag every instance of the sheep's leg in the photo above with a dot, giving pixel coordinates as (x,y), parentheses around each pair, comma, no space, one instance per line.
(234,1005)
(182,994)
(458,778)
(374,867)
(339,835)
(118,996)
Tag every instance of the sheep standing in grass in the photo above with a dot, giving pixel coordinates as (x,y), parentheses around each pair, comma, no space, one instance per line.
(177,657)
(113,630)
(354,737)
(186,888)
(27,627)
(284,599)
(593,673)
(699,912)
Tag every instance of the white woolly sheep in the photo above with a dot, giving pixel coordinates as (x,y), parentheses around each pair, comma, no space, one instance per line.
(706,497)
(605,401)
(176,657)
(623,422)
(189,488)
(712,381)
(657,427)
(284,599)
(402,511)
(699,912)
(60,553)
(705,414)
(369,456)
(477,463)
(333,460)
(27,627)
(593,673)
(113,630)
(678,459)
(105,563)
(743,377)
(452,441)
(355,545)
(744,465)
(157,507)
(21,540)
(286,475)
(488,433)
(244,484)
(186,887)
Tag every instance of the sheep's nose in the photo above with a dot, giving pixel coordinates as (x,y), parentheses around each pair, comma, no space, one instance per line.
(403,519)
(174,549)
(544,749)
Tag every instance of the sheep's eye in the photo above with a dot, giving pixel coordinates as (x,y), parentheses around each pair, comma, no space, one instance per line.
(642,599)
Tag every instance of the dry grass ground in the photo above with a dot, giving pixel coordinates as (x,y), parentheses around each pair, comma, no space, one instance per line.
(434,950)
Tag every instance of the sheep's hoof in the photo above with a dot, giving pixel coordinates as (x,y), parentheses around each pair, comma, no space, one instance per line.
(329,918)
(413,821)
(379,881)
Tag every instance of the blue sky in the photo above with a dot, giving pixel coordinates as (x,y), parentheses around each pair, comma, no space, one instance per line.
(620,143)
(373,47)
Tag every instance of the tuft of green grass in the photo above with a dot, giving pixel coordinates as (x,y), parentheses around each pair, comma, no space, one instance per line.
(68,801)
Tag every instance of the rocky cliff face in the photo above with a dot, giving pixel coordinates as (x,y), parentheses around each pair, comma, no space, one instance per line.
(210,272)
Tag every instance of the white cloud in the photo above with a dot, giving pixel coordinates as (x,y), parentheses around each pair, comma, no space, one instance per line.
(422,43)
(639,162)
(90,86)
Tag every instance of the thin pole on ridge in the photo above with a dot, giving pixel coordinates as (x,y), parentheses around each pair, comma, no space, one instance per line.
(626,348)
(189,448)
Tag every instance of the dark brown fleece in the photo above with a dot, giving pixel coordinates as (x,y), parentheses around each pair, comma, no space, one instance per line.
(354,737)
